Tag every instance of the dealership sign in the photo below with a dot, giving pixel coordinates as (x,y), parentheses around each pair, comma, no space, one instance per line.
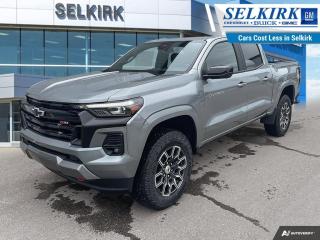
(270,23)
(267,17)
(72,11)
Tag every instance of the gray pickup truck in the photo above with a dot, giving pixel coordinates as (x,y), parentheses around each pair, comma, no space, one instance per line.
(135,126)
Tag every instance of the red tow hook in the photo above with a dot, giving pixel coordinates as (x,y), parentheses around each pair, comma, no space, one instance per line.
(81,179)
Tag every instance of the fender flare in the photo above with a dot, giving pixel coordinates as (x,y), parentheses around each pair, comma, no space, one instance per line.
(269,119)
(283,86)
(169,113)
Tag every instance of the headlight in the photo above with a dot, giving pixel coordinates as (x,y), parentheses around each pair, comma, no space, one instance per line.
(125,108)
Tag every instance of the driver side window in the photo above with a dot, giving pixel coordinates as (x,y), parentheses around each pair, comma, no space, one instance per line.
(222,54)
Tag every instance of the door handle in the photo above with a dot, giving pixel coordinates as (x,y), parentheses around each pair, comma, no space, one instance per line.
(242,84)
(266,78)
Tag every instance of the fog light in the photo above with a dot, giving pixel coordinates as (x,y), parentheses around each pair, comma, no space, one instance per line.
(113,144)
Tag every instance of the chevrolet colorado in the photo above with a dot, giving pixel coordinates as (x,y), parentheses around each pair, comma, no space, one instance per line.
(134,126)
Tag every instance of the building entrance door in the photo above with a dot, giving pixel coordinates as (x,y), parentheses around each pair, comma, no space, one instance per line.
(5,116)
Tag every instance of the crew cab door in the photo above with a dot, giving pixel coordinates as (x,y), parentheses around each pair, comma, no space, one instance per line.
(225,99)
(258,80)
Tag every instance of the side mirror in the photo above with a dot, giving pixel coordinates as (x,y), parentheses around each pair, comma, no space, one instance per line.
(217,72)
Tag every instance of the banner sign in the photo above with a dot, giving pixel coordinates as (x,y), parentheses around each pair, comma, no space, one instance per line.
(270,23)
(270,38)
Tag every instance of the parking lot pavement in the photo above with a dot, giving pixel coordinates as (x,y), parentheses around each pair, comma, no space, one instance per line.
(243,186)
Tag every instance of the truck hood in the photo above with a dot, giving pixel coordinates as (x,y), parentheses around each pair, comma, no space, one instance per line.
(88,88)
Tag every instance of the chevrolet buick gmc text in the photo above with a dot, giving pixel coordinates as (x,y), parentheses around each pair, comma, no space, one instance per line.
(134,126)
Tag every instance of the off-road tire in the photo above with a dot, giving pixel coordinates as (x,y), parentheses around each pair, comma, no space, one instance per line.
(276,129)
(145,190)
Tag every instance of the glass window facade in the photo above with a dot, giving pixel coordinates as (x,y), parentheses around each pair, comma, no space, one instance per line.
(168,35)
(124,42)
(10,50)
(77,52)
(32,56)
(145,37)
(58,53)
(101,50)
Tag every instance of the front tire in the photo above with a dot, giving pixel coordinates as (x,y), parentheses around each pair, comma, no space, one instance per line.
(282,119)
(166,170)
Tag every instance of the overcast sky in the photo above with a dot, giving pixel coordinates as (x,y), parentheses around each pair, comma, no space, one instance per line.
(313,62)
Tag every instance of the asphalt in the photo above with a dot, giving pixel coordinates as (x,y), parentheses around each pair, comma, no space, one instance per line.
(244,186)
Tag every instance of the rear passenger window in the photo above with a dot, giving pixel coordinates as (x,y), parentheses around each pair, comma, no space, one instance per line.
(252,56)
(222,54)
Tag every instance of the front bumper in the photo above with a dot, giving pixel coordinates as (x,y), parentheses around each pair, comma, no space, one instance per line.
(91,167)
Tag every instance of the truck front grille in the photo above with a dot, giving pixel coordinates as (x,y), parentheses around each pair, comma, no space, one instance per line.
(56,120)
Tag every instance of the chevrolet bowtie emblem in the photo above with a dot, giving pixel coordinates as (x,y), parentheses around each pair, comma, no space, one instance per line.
(37,112)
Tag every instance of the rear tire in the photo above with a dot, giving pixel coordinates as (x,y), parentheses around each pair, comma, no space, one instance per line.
(282,119)
(166,170)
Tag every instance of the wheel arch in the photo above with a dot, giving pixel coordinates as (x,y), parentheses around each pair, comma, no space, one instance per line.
(290,91)
(181,118)
(168,118)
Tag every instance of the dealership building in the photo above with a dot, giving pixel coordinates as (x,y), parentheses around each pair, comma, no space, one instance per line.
(41,39)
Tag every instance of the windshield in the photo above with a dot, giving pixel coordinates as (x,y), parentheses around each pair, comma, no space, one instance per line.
(160,57)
